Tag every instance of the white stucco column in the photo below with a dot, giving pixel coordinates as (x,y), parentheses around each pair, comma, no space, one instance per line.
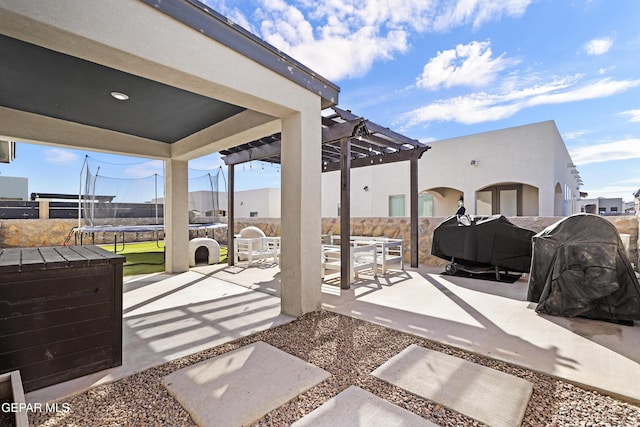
(470,203)
(176,216)
(546,201)
(301,224)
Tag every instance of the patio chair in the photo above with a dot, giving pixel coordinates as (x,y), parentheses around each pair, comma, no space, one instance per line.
(363,257)
(256,249)
(389,251)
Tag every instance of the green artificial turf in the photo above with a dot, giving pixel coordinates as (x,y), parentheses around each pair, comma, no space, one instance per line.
(147,257)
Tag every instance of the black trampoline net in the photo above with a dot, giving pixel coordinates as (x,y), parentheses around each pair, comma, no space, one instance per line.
(134,193)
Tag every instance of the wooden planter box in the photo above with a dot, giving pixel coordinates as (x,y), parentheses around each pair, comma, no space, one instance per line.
(60,312)
(11,388)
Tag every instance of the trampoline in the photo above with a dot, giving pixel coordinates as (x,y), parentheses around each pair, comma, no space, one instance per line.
(118,199)
(121,230)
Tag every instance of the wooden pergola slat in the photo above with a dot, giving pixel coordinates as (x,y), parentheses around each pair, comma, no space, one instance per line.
(348,141)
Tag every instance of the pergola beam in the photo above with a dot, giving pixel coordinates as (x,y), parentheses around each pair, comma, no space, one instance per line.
(339,131)
(231,259)
(380,159)
(351,143)
(345,214)
(413,177)
(260,152)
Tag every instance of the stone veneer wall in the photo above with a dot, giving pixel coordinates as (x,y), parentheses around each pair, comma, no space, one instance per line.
(16,233)
(52,232)
(400,228)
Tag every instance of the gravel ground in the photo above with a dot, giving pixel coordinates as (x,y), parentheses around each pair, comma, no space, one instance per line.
(350,350)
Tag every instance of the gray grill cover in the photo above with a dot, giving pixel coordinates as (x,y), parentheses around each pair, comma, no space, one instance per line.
(579,268)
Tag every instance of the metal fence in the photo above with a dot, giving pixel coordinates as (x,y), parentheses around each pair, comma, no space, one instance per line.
(66,210)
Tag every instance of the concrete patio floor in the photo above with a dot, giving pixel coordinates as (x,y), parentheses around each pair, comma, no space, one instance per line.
(170,316)
(484,317)
(166,317)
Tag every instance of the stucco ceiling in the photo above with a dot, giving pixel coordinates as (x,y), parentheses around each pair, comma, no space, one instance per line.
(38,80)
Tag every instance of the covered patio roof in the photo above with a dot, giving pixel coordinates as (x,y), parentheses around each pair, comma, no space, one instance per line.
(196,84)
(49,75)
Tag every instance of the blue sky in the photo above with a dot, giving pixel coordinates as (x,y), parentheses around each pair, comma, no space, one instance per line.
(440,69)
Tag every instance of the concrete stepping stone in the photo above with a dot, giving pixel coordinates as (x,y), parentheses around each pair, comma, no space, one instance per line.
(357,407)
(481,393)
(239,387)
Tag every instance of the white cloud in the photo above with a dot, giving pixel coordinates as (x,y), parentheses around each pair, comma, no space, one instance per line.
(58,156)
(574,135)
(625,189)
(634,115)
(606,70)
(612,191)
(618,150)
(144,169)
(346,45)
(483,107)
(336,57)
(597,89)
(466,65)
(635,181)
(341,39)
(206,163)
(233,14)
(476,12)
(598,46)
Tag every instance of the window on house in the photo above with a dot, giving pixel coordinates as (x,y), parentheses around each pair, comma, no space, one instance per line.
(484,203)
(614,209)
(508,202)
(602,211)
(396,205)
(253,214)
(503,199)
(425,204)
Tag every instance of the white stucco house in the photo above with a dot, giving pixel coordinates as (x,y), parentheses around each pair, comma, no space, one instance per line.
(256,203)
(519,171)
(14,188)
(602,205)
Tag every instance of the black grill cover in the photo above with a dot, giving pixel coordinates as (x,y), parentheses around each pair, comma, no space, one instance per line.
(580,268)
(483,240)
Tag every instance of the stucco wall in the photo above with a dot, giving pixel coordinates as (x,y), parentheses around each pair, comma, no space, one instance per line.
(530,205)
(265,201)
(532,154)
(31,233)
(14,188)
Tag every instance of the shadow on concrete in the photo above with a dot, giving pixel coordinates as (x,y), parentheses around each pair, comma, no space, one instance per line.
(496,321)
(480,336)
(613,336)
(262,277)
(171,316)
(516,290)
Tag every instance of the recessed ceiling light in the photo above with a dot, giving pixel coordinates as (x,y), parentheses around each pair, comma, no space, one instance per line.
(120,96)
